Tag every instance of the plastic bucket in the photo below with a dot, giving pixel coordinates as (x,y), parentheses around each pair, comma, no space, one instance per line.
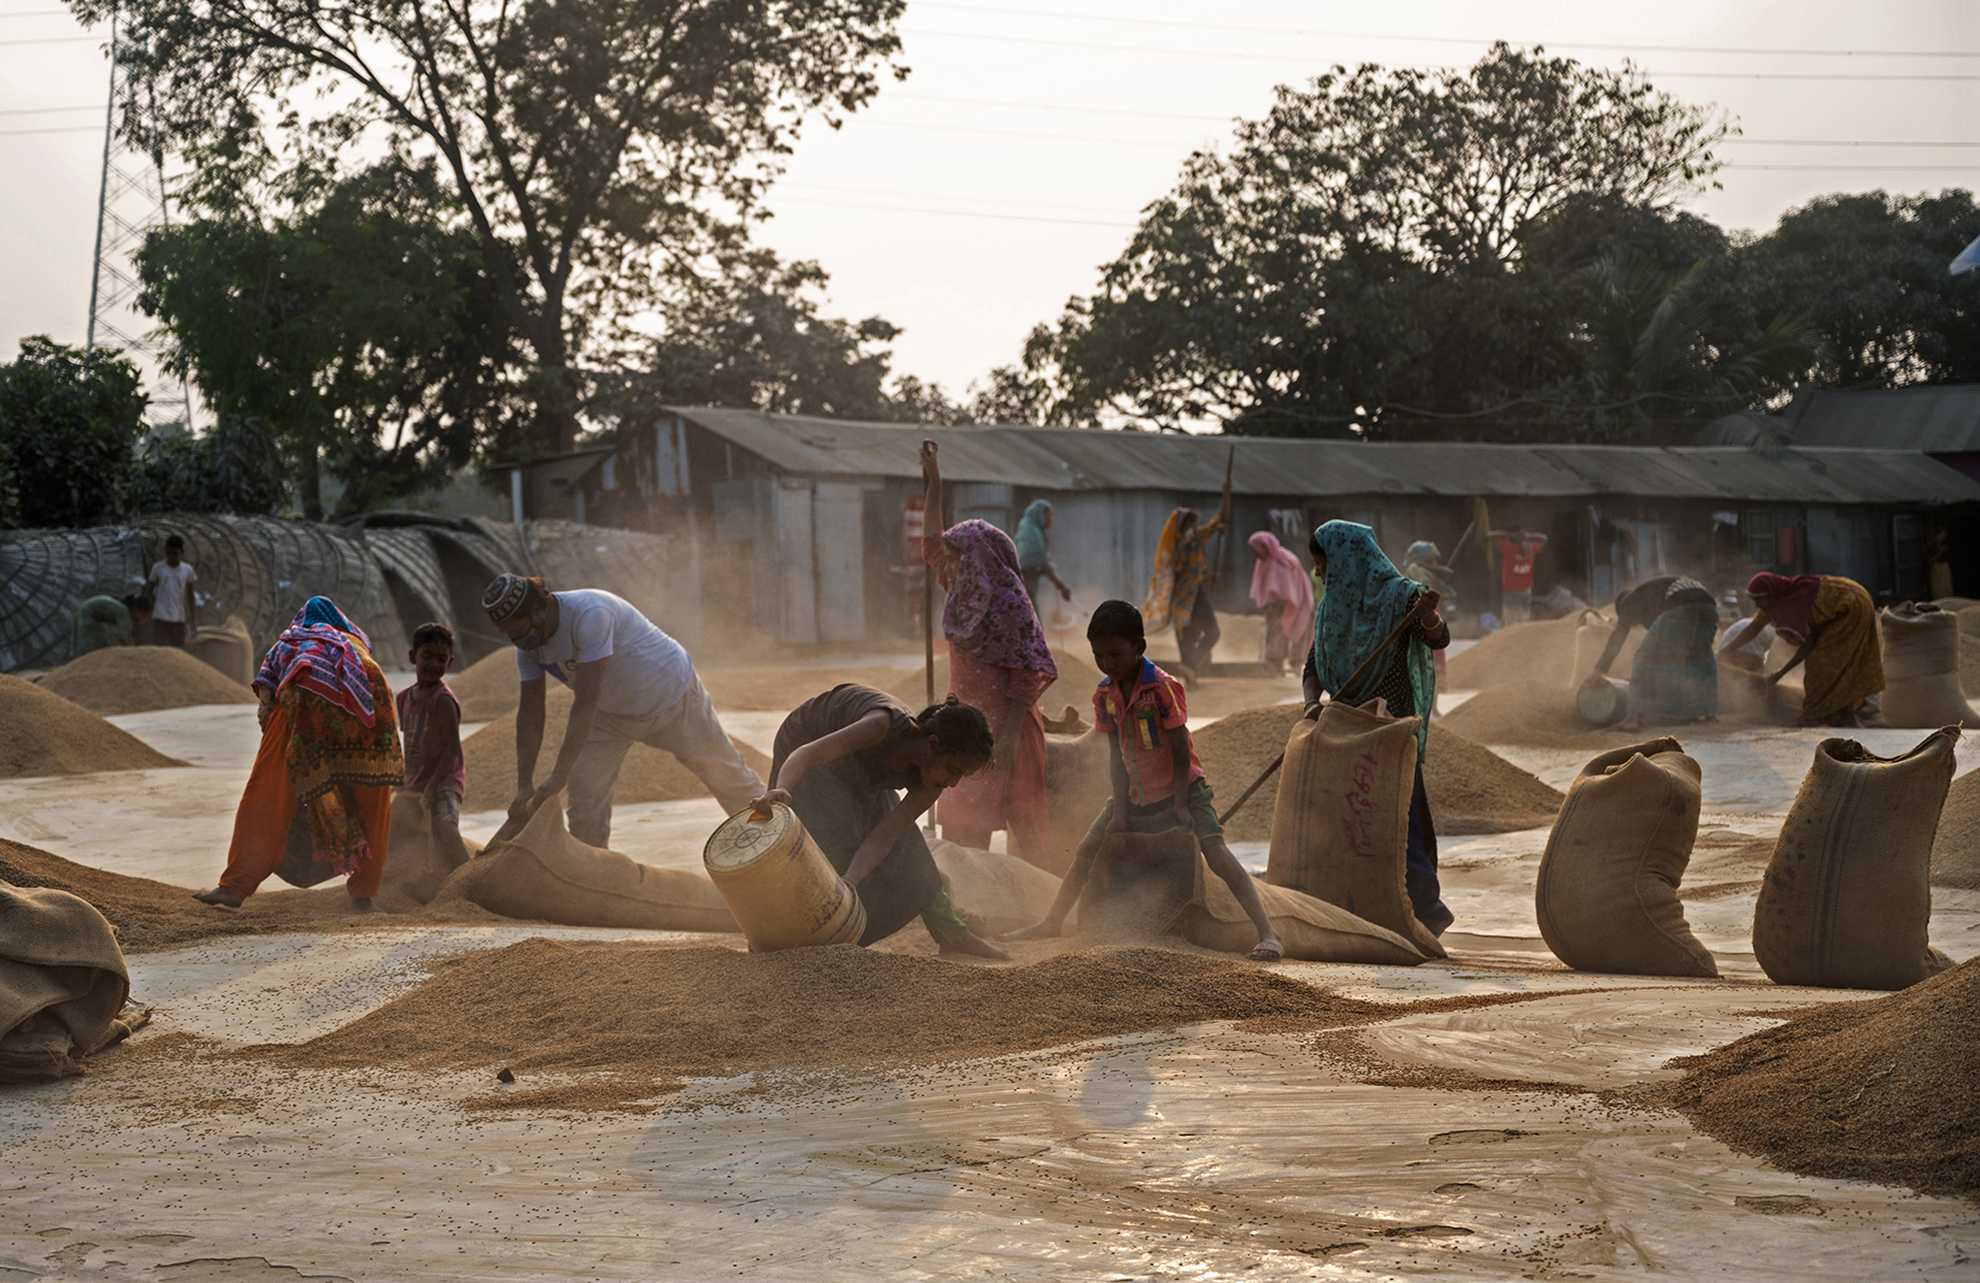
(782,890)
(1603,702)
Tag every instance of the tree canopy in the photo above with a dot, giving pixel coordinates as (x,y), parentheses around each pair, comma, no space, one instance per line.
(599,152)
(72,420)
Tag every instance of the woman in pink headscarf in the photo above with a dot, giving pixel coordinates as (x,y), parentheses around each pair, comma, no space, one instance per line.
(1833,624)
(1281,588)
(1000,662)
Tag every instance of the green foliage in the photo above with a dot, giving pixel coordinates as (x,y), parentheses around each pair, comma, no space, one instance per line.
(1389,243)
(600,153)
(756,337)
(364,332)
(231,467)
(69,425)
(1868,272)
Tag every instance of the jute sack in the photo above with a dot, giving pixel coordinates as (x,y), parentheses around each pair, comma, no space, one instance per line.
(414,868)
(1078,782)
(62,982)
(998,892)
(1607,894)
(546,874)
(1340,830)
(1847,892)
(1145,885)
(1589,640)
(1921,668)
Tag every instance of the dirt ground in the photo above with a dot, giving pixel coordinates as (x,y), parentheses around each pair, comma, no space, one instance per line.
(1514,1141)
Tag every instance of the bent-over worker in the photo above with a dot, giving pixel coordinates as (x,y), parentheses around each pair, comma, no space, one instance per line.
(842,760)
(631,683)
(1833,624)
(1675,677)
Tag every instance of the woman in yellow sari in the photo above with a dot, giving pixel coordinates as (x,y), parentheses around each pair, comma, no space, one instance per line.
(1833,624)
(1178,593)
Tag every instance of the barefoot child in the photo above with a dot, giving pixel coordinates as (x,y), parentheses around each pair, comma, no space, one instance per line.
(430,716)
(1158,783)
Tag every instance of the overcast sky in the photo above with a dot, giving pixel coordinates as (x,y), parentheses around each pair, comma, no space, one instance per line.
(968,202)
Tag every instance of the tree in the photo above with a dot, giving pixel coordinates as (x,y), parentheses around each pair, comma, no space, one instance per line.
(596,149)
(69,425)
(757,338)
(1868,271)
(363,333)
(1362,244)
(224,469)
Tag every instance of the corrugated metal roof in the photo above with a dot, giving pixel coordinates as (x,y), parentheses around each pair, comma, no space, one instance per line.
(1071,460)
(1939,419)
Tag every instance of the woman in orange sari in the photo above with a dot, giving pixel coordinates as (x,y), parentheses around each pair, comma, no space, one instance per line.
(329,749)
(1000,662)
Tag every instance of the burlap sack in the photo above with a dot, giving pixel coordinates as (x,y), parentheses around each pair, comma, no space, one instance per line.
(1607,894)
(1590,638)
(1921,668)
(546,874)
(1847,893)
(1340,831)
(414,868)
(62,983)
(997,892)
(1146,885)
(1078,782)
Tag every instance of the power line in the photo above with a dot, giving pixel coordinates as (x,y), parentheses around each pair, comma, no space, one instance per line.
(1171,143)
(1083,109)
(1233,55)
(959,213)
(52,40)
(1614,46)
(58,129)
(45,111)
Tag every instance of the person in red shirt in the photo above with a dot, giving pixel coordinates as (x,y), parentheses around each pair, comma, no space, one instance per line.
(430,717)
(1518,550)
(1158,783)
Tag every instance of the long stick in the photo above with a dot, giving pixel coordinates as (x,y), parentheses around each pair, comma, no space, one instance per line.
(1462,539)
(1415,612)
(928,630)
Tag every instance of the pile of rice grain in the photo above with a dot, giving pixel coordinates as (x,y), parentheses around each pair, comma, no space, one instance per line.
(1884,1090)
(1075,685)
(1531,714)
(142,679)
(43,734)
(656,1013)
(487,688)
(647,775)
(1542,651)
(1471,788)
(778,688)
(1956,849)
(153,915)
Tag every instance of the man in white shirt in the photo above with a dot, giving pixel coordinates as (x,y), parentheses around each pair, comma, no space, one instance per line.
(633,684)
(175,598)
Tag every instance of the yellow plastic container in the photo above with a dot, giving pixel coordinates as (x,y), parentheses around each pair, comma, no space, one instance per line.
(782,890)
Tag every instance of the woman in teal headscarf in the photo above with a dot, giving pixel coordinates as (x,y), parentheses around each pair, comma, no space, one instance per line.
(1034,556)
(1366,599)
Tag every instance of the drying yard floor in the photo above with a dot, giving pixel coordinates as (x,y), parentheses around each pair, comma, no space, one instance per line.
(1495,1142)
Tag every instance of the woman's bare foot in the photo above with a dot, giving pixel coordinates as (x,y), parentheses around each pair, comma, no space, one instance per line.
(975,946)
(1268,949)
(218,898)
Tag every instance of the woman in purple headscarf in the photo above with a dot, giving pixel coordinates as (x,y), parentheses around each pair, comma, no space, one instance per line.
(1000,662)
